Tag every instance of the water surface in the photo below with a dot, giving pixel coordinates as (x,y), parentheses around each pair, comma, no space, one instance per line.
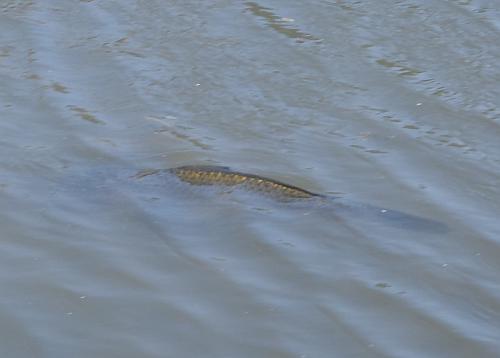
(392,105)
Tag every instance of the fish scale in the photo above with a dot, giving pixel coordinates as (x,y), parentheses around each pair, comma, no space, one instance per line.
(214,175)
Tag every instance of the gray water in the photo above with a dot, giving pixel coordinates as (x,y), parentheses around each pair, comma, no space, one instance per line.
(392,104)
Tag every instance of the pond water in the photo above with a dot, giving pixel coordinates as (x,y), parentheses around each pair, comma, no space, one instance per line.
(386,106)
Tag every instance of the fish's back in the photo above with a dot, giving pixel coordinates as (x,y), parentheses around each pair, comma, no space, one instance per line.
(214,175)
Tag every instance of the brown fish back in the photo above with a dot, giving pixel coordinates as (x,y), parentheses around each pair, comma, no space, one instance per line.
(214,175)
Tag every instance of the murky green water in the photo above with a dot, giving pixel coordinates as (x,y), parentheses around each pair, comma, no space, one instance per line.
(386,105)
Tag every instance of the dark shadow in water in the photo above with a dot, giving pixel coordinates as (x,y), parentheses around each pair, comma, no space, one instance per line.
(384,216)
(280,24)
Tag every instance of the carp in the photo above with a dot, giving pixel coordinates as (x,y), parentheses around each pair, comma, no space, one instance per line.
(218,175)
(205,175)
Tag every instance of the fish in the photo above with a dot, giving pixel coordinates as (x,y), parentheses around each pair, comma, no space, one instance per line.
(224,176)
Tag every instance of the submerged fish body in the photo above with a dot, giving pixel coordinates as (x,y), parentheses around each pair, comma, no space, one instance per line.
(215,175)
(282,192)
